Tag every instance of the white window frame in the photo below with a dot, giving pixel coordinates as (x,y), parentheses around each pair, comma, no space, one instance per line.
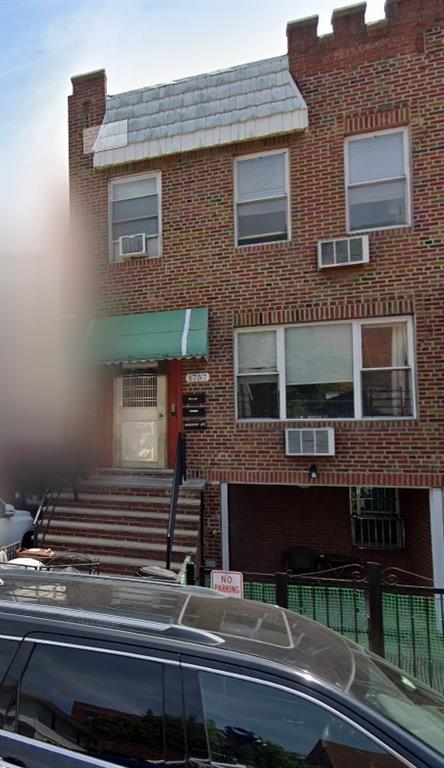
(134,177)
(357,368)
(256,155)
(408,173)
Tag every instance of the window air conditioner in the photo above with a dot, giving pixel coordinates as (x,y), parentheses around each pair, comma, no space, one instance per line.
(343,251)
(310,442)
(132,245)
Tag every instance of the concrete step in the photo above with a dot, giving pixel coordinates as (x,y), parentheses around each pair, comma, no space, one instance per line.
(120,519)
(120,483)
(134,471)
(130,532)
(137,516)
(95,544)
(132,501)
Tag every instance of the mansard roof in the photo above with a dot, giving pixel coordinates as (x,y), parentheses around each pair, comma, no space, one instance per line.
(245,102)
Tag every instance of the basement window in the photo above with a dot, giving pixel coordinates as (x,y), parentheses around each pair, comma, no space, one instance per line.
(375,518)
(262,199)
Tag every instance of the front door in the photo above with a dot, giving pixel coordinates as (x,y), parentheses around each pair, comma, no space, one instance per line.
(140,423)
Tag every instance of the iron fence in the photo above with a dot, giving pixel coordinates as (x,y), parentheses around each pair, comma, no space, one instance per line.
(404,622)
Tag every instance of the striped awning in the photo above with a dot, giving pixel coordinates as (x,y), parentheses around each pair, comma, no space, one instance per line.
(180,333)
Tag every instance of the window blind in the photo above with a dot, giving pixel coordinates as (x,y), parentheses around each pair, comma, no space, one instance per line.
(318,354)
(261,177)
(377,157)
(257,352)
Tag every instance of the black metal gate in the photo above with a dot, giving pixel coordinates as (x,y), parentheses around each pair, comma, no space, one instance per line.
(374,606)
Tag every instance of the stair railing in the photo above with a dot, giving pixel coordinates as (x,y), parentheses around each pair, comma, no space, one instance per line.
(46,510)
(180,473)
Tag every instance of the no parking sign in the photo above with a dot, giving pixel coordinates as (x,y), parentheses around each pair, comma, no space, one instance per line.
(228,582)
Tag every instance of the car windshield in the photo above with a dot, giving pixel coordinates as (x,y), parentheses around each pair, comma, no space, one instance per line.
(399,697)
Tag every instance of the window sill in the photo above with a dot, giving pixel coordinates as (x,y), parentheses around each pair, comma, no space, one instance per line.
(272,243)
(407,421)
(136,260)
(379,549)
(375,230)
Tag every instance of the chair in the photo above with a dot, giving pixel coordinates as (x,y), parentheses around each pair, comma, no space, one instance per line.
(301,560)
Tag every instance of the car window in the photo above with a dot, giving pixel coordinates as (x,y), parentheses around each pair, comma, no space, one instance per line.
(250,725)
(101,704)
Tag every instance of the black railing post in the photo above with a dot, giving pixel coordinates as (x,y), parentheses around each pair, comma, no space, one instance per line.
(177,481)
(183,451)
(202,576)
(281,581)
(374,608)
(190,574)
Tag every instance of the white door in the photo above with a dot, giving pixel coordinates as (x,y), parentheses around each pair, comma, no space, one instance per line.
(140,423)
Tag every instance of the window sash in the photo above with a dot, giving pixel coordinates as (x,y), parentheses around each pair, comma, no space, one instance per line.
(260,356)
(270,181)
(251,199)
(358,371)
(370,156)
(372,174)
(135,189)
(318,354)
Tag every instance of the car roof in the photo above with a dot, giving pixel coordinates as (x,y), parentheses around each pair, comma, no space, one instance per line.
(190,614)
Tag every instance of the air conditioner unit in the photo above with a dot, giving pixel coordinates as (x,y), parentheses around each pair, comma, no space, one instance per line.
(132,245)
(310,442)
(343,251)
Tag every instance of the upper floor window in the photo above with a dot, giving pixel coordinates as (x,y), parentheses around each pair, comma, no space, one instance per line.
(262,200)
(345,370)
(377,177)
(135,212)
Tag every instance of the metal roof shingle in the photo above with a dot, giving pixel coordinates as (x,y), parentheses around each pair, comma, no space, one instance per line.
(203,108)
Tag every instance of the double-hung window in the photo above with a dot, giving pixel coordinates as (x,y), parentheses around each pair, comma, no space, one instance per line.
(262,204)
(344,370)
(377,170)
(258,380)
(135,210)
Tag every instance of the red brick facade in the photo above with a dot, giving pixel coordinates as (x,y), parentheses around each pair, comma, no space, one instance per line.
(361,78)
(265,521)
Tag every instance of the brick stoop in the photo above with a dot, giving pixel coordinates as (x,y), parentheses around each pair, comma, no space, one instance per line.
(121,519)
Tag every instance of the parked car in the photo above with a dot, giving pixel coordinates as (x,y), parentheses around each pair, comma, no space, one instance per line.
(103,671)
(16,529)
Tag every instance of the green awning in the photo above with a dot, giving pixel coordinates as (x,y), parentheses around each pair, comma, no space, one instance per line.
(149,336)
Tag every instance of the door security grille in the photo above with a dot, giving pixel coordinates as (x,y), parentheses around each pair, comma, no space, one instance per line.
(139,389)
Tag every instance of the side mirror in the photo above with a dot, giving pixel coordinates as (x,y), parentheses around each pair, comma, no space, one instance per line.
(6,510)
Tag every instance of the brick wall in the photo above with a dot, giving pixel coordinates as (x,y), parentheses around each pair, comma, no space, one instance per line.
(266,520)
(359,79)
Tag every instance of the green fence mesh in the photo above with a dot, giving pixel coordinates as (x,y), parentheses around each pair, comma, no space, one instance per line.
(413,625)
(339,608)
(414,635)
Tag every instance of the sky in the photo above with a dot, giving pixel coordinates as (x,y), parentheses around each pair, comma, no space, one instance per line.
(139,42)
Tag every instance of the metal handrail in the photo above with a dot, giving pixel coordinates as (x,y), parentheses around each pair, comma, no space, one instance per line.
(180,470)
(43,504)
(47,502)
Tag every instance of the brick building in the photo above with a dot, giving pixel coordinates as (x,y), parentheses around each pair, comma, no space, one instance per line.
(205,202)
